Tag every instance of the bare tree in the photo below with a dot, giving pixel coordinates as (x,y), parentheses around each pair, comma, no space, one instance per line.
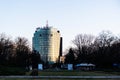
(6,47)
(83,43)
(22,51)
(105,38)
(14,54)
(83,40)
(21,41)
(103,55)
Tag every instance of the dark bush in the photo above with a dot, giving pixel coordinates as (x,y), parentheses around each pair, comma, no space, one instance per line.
(34,72)
(12,71)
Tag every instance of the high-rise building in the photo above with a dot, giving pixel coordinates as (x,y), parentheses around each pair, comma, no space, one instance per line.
(48,43)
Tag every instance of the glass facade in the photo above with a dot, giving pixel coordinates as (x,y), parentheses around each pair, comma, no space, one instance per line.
(46,41)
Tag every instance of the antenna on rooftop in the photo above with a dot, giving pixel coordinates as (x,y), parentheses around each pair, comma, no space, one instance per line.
(47,23)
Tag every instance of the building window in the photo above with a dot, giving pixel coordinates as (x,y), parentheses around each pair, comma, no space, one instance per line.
(51,34)
(58,31)
(40,35)
(49,58)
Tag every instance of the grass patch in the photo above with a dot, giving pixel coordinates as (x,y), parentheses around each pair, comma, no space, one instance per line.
(72,73)
(4,70)
(76,73)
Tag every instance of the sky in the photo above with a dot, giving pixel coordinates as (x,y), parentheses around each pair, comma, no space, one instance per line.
(20,18)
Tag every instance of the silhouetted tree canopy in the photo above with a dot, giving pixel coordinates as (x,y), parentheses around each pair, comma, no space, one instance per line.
(22,51)
(35,59)
(102,50)
(14,53)
(70,57)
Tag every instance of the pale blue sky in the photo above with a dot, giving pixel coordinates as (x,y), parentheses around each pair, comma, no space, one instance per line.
(71,17)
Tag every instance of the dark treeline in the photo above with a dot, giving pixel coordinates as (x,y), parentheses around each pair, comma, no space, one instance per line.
(103,50)
(16,55)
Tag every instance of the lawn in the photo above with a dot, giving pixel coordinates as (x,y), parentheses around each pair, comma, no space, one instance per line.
(71,73)
(76,73)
